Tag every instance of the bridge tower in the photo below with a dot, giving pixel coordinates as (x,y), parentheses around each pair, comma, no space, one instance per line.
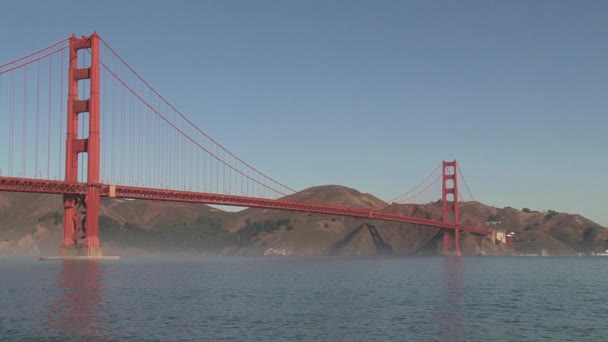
(450,205)
(81,211)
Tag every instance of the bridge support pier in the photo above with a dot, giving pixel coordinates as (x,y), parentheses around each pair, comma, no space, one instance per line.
(450,248)
(457,242)
(80,252)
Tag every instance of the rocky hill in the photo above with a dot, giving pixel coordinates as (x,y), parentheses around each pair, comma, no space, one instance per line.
(30,224)
(557,233)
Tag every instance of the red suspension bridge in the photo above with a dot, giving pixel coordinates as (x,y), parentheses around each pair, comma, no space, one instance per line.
(121,138)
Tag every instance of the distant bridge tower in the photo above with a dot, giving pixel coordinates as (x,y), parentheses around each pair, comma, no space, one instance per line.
(449,187)
(81,211)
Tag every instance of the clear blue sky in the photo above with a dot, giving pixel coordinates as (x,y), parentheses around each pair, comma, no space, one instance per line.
(373,94)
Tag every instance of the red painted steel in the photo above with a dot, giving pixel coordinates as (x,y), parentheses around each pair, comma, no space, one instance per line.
(70,216)
(81,196)
(44,186)
(33,54)
(450,202)
(418,189)
(93,151)
(81,211)
(190,122)
(40,186)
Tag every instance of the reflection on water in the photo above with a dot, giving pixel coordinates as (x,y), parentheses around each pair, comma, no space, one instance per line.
(450,314)
(75,312)
(305,299)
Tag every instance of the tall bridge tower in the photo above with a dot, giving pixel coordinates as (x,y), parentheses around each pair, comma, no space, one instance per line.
(81,211)
(160,154)
(449,187)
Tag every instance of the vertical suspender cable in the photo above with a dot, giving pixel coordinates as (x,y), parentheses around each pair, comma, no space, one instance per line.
(48,142)
(122,138)
(113,157)
(37,118)
(11,122)
(60,116)
(1,114)
(81,134)
(104,121)
(24,133)
(131,135)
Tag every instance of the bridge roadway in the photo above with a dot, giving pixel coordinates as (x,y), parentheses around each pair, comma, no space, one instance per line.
(14,184)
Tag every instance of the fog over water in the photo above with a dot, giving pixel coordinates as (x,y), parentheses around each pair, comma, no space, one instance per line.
(311,299)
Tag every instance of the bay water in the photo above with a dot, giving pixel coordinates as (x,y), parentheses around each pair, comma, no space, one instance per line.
(305,299)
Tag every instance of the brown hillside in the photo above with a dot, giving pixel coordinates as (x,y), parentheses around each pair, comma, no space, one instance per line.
(337,195)
(318,234)
(329,194)
(155,214)
(29,223)
(562,233)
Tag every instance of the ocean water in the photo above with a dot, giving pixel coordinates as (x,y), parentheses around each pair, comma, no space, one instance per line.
(305,299)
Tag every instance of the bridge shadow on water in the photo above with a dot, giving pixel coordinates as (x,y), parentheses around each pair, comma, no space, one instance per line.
(74,314)
(382,247)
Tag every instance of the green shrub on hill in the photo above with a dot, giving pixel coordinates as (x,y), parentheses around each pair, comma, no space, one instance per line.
(252,229)
(550,214)
(56,217)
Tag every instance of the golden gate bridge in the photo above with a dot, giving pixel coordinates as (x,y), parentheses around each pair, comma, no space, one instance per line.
(79,121)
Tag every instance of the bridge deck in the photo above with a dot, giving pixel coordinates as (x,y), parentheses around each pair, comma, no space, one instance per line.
(60,187)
